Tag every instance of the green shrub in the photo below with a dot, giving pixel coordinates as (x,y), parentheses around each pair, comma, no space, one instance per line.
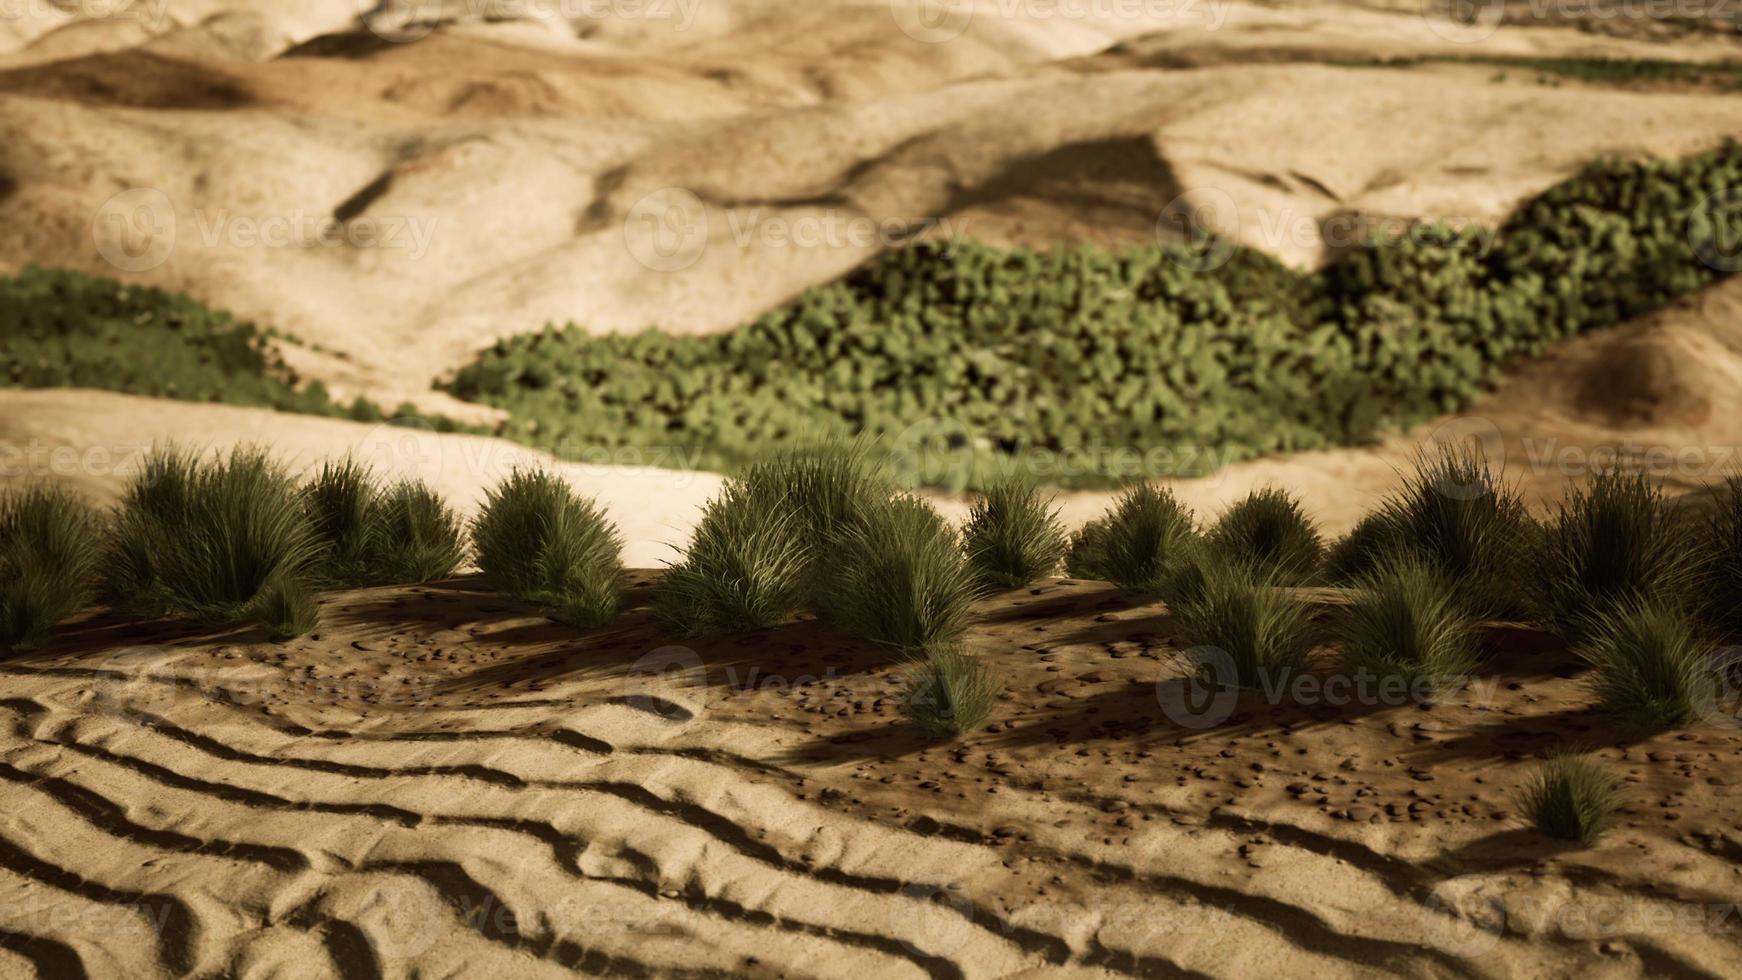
(416,536)
(65,329)
(1139,545)
(49,552)
(744,569)
(338,500)
(1454,514)
(948,693)
(206,539)
(537,540)
(286,609)
(1720,574)
(1099,357)
(1360,551)
(1013,536)
(828,489)
(1263,630)
(900,579)
(1613,543)
(1651,666)
(1269,531)
(1571,798)
(1407,621)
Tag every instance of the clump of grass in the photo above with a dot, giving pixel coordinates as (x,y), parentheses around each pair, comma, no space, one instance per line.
(540,542)
(1650,665)
(901,579)
(1571,798)
(1360,551)
(1139,545)
(49,551)
(1721,573)
(1263,630)
(286,609)
(744,569)
(1455,514)
(415,536)
(374,535)
(1407,621)
(337,500)
(1013,536)
(1269,531)
(949,693)
(1614,543)
(830,489)
(207,539)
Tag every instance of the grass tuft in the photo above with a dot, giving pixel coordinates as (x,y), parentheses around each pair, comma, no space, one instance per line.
(1407,621)
(901,579)
(1720,579)
(1269,531)
(1013,536)
(207,539)
(1454,514)
(744,568)
(949,693)
(337,500)
(1140,545)
(286,609)
(1571,798)
(414,535)
(50,548)
(1651,666)
(1262,631)
(538,541)
(1614,543)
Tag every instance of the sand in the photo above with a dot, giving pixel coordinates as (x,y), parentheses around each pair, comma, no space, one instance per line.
(440,783)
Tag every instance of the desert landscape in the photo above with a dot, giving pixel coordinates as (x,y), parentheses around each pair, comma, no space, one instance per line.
(954,488)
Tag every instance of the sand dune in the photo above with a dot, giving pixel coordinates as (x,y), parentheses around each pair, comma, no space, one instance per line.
(401,204)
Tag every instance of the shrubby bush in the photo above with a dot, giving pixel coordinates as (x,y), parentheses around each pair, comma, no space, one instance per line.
(744,568)
(65,329)
(537,540)
(1454,515)
(1268,530)
(379,535)
(1614,543)
(900,579)
(1012,535)
(1090,354)
(50,549)
(223,541)
(1140,545)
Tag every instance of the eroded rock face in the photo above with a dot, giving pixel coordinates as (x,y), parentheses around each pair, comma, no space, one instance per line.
(1646,380)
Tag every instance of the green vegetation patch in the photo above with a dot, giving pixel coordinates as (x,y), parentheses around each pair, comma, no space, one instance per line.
(1099,367)
(65,329)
